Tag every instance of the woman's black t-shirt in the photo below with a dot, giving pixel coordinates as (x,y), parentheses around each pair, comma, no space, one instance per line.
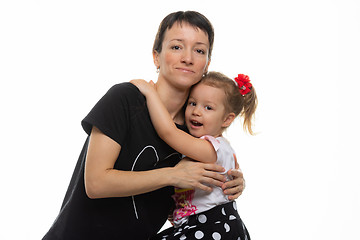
(122,115)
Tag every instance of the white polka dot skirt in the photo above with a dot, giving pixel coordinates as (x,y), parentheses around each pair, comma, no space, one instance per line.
(220,222)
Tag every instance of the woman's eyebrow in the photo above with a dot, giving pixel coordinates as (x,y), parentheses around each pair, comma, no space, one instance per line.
(201,43)
(176,39)
(181,40)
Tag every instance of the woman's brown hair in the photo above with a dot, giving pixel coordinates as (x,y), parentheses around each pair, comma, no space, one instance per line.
(193,18)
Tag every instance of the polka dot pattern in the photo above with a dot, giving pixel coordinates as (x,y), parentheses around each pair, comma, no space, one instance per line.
(227,227)
(216,236)
(202,218)
(221,222)
(199,234)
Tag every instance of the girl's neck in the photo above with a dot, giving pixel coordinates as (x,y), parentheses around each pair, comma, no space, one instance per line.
(173,99)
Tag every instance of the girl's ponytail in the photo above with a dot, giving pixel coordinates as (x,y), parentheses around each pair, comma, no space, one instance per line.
(248,111)
(249,101)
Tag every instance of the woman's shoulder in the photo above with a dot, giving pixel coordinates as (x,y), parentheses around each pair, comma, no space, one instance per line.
(119,95)
(125,88)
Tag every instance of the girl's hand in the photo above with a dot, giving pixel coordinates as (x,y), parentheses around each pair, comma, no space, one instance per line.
(191,174)
(235,187)
(144,87)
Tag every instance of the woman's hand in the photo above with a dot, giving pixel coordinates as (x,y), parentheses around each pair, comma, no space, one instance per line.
(235,187)
(191,174)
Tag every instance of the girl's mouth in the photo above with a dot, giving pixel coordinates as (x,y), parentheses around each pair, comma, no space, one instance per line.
(196,123)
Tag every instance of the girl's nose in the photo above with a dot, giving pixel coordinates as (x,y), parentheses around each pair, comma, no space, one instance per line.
(196,111)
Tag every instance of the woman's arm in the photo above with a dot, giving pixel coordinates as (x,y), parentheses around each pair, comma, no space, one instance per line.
(103,181)
(195,148)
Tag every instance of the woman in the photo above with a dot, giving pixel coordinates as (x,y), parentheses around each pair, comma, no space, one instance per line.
(123,182)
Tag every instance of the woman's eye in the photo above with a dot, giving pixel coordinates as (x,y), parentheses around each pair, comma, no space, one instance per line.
(175,47)
(200,51)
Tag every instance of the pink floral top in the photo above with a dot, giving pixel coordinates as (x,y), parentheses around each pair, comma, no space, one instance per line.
(194,201)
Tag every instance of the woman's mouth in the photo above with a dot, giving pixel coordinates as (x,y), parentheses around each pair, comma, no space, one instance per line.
(185,70)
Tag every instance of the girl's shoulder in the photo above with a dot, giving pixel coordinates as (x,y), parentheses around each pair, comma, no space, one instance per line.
(217,142)
(224,143)
(223,139)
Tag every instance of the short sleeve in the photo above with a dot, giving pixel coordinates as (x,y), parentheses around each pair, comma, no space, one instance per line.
(212,140)
(111,114)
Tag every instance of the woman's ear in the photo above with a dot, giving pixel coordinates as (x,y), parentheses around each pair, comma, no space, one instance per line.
(229,118)
(156,59)
(207,66)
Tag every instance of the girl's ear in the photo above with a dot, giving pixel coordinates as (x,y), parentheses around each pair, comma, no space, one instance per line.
(156,59)
(229,118)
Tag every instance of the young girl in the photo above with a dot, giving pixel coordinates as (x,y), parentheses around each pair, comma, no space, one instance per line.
(212,106)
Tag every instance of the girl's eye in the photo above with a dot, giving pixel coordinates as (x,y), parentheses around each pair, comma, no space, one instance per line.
(208,108)
(192,104)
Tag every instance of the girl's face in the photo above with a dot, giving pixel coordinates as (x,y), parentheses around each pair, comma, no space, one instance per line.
(184,56)
(205,112)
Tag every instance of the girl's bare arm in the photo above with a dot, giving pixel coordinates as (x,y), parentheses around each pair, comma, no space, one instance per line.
(195,148)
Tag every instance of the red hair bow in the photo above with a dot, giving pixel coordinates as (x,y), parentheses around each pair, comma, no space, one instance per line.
(243,82)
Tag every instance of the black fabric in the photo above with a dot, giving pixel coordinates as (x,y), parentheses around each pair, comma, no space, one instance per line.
(122,115)
(221,222)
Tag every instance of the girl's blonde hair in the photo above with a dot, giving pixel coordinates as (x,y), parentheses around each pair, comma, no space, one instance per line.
(235,102)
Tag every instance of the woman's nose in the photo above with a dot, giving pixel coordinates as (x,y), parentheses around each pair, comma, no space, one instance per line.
(187,57)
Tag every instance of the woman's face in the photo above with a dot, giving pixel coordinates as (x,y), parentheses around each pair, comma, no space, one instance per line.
(184,56)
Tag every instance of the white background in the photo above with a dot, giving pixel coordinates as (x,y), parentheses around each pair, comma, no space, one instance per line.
(57,58)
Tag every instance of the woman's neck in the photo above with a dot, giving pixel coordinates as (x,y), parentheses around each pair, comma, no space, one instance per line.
(173,99)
